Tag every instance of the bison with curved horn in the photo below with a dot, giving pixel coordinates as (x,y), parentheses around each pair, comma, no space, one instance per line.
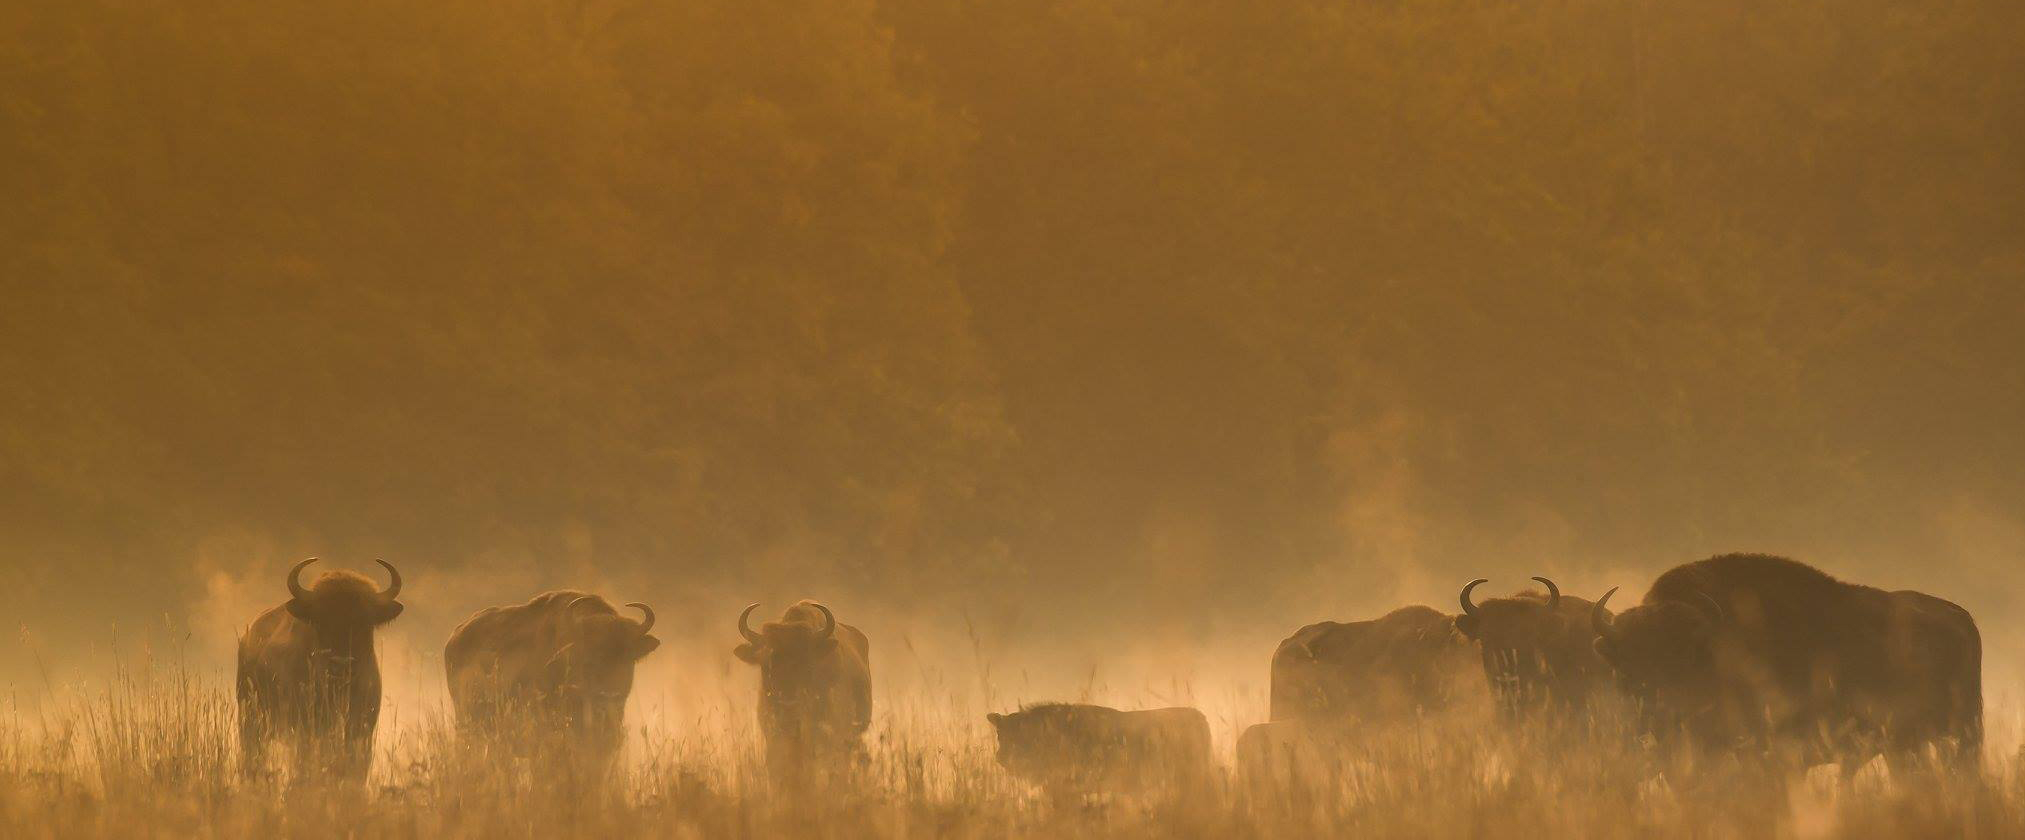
(815,688)
(308,670)
(1538,649)
(1752,649)
(559,665)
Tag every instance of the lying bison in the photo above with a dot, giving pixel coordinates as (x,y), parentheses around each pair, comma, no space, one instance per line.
(1388,668)
(1071,749)
(1761,650)
(1538,650)
(560,664)
(308,671)
(815,688)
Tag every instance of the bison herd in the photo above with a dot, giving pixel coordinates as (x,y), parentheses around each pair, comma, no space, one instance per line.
(1744,654)
(1747,655)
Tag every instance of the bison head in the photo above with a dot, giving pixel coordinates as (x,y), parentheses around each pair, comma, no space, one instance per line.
(1533,651)
(592,674)
(1661,651)
(1042,741)
(787,642)
(794,654)
(342,608)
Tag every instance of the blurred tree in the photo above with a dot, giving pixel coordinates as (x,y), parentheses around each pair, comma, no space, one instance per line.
(1279,306)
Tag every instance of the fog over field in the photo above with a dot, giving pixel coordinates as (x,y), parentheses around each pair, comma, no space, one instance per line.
(1072,350)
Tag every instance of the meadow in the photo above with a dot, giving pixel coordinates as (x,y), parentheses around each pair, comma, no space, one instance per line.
(1077,350)
(153,753)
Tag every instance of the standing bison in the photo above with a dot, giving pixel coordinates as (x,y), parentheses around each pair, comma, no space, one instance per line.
(815,688)
(307,670)
(559,665)
(1755,649)
(1335,673)
(1538,651)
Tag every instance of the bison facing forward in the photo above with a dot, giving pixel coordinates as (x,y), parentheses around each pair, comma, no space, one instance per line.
(1073,749)
(560,664)
(1538,650)
(307,670)
(1755,649)
(815,688)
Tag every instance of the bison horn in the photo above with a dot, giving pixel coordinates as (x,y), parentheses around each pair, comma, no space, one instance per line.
(295,589)
(1469,608)
(829,622)
(1599,617)
(1553,592)
(580,600)
(747,631)
(393,589)
(1715,608)
(646,616)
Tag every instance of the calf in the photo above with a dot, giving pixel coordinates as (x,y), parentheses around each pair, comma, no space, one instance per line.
(1075,748)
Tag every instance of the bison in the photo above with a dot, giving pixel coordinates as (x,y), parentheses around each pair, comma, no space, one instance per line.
(1287,762)
(1538,650)
(1335,673)
(1756,649)
(1070,749)
(815,688)
(307,670)
(560,664)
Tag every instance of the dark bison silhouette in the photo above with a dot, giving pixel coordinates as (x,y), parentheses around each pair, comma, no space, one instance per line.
(1337,673)
(1538,649)
(1763,651)
(815,688)
(308,672)
(1288,762)
(560,664)
(1071,748)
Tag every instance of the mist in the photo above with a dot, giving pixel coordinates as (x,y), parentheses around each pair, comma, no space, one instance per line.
(1077,350)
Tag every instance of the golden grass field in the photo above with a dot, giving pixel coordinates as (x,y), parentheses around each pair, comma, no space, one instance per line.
(153,754)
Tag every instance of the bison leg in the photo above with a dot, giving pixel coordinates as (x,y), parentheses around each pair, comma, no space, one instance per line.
(355,746)
(355,757)
(1938,753)
(256,728)
(254,732)
(1964,747)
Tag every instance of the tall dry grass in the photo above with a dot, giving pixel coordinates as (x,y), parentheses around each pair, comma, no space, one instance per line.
(154,755)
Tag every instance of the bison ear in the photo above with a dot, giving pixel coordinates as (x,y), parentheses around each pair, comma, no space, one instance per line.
(747,652)
(1603,647)
(996,719)
(299,608)
(1466,625)
(390,611)
(645,645)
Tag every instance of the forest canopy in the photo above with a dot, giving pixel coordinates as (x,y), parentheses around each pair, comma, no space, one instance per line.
(1284,306)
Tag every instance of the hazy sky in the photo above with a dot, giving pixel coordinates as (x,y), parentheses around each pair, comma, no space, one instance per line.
(1099,326)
